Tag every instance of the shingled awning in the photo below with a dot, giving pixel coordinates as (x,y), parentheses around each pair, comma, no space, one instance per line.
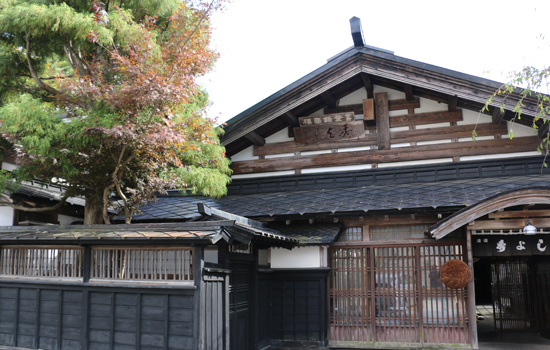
(201,232)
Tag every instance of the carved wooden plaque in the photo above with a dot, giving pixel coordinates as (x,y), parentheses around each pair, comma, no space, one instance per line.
(330,132)
(327,118)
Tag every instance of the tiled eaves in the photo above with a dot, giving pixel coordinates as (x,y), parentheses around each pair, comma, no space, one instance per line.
(335,201)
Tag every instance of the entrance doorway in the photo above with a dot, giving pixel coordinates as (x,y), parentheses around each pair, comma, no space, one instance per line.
(508,287)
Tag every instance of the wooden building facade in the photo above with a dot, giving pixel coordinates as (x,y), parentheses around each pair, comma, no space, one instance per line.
(382,146)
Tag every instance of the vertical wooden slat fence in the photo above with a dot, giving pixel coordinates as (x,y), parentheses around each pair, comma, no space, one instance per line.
(390,294)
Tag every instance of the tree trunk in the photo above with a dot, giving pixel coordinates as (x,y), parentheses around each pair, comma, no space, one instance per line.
(93,212)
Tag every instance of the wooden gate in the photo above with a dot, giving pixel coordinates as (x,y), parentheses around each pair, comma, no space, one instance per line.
(381,295)
(239,305)
(514,294)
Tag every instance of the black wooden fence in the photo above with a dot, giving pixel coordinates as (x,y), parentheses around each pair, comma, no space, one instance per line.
(82,317)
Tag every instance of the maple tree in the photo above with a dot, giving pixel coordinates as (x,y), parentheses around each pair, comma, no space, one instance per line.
(104,99)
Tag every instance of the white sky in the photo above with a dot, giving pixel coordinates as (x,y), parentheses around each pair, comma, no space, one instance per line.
(266,45)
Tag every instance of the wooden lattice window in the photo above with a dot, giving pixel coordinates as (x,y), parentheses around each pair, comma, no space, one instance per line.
(143,264)
(241,248)
(352,234)
(61,262)
(394,232)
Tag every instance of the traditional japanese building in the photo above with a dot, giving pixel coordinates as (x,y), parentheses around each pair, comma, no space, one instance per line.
(351,188)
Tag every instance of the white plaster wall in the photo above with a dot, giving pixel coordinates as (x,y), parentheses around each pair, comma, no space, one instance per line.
(295,258)
(520,130)
(502,155)
(337,168)
(279,136)
(316,113)
(267,174)
(245,154)
(415,162)
(354,98)
(6,216)
(67,220)
(392,94)
(9,166)
(472,118)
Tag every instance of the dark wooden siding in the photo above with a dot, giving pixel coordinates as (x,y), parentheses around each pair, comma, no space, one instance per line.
(264,310)
(298,306)
(71,317)
(213,312)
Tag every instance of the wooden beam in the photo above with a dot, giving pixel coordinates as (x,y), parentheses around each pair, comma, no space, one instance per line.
(368,109)
(329,100)
(394,105)
(507,224)
(453,101)
(409,96)
(498,115)
(382,120)
(430,134)
(519,214)
(368,84)
(450,132)
(425,118)
(256,139)
(543,130)
(459,149)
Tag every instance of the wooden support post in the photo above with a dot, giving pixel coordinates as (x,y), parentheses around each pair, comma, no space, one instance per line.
(409,96)
(255,138)
(498,115)
(543,130)
(453,101)
(382,121)
(368,84)
(471,292)
(368,109)
(329,100)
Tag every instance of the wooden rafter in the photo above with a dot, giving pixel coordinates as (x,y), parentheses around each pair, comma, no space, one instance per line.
(255,138)
(498,115)
(409,96)
(453,101)
(329,100)
(368,84)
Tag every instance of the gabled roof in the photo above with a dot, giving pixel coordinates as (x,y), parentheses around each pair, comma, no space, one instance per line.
(347,72)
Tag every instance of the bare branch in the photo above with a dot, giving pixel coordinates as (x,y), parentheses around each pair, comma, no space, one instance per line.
(34,75)
(106,204)
(75,61)
(37,210)
(198,24)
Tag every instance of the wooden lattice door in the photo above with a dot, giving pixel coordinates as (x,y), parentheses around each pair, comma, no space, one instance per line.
(513,285)
(393,294)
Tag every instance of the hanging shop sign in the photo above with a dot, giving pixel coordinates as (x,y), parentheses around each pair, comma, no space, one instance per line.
(513,245)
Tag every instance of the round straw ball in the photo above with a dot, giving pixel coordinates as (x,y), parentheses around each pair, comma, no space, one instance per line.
(455,274)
